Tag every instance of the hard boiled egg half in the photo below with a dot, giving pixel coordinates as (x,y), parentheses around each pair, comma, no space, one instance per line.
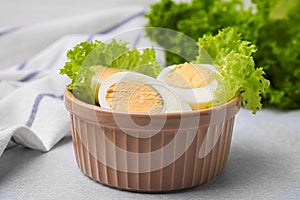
(194,83)
(135,92)
(101,73)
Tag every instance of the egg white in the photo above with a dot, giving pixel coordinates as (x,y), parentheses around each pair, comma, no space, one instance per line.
(171,101)
(95,85)
(194,96)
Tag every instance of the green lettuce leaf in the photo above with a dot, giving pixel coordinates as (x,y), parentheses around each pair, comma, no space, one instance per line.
(115,54)
(272,25)
(237,73)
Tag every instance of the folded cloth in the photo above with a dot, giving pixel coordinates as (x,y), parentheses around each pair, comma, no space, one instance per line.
(31,98)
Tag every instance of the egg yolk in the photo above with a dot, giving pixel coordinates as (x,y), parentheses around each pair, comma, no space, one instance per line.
(189,76)
(103,73)
(134,96)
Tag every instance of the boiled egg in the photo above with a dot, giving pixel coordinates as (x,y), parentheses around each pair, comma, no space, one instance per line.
(135,92)
(194,83)
(101,73)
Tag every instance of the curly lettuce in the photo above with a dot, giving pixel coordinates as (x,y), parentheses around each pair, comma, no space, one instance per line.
(115,54)
(233,59)
(272,25)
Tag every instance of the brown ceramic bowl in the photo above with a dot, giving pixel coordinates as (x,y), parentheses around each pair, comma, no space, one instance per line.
(151,152)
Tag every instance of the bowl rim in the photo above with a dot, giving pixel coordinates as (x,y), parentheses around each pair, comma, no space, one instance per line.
(70,98)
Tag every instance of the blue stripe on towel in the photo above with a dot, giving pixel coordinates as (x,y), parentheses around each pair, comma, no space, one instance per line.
(22,65)
(36,105)
(139,14)
(119,24)
(30,76)
(10,30)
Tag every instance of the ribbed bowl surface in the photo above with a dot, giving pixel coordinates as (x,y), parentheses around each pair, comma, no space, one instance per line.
(187,149)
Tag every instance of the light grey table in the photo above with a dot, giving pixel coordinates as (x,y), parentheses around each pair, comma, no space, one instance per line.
(264,163)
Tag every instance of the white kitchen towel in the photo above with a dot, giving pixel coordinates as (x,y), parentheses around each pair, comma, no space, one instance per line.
(31,90)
